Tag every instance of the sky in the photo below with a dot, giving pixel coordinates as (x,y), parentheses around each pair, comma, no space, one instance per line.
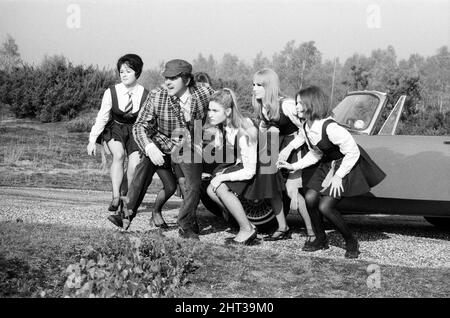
(98,32)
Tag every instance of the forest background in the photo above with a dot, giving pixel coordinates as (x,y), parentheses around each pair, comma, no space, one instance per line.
(57,90)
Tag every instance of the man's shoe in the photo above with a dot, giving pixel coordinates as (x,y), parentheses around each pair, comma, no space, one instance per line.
(352,249)
(196,228)
(317,244)
(114,205)
(188,234)
(116,219)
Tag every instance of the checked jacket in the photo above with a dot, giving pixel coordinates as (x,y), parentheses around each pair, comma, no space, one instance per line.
(161,115)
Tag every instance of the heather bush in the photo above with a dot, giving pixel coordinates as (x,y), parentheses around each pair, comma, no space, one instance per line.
(83,122)
(129,267)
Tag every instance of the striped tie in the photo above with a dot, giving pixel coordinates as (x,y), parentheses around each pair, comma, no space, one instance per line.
(129,106)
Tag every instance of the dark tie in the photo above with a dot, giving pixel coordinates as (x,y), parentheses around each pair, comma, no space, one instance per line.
(129,106)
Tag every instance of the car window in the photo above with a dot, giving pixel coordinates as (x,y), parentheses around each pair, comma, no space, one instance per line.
(356,111)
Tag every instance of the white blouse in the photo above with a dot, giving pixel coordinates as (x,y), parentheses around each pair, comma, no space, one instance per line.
(247,154)
(104,114)
(339,136)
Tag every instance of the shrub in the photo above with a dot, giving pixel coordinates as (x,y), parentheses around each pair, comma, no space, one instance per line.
(82,123)
(129,267)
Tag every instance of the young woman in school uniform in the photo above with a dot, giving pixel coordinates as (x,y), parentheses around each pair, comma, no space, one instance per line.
(345,169)
(276,115)
(230,179)
(119,109)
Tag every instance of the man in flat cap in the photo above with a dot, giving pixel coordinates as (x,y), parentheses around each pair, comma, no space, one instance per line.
(180,105)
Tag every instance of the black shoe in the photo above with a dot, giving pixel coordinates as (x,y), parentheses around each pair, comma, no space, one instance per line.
(249,241)
(188,234)
(309,239)
(163,225)
(116,219)
(317,244)
(114,205)
(352,249)
(279,235)
(196,228)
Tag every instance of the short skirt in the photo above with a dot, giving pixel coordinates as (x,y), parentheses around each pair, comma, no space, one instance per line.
(237,187)
(364,175)
(122,133)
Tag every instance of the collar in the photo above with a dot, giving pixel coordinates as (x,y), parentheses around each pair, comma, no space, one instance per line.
(185,97)
(123,90)
(316,127)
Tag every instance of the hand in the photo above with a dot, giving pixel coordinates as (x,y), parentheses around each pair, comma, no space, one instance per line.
(155,155)
(284,164)
(216,181)
(91,149)
(336,187)
(284,154)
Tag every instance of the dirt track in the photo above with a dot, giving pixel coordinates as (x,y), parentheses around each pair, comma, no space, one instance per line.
(389,240)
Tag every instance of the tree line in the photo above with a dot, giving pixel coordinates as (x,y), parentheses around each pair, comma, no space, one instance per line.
(57,90)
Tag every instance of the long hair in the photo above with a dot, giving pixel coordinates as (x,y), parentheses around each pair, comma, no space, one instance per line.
(202,77)
(227,99)
(315,102)
(271,83)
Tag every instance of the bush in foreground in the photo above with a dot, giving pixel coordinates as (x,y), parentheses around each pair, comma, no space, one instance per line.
(129,267)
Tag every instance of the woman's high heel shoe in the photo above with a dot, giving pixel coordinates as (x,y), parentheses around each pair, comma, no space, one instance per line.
(114,205)
(249,241)
(163,225)
(279,235)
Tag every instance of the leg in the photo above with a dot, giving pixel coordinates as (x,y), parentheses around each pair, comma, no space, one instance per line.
(182,184)
(312,203)
(298,204)
(133,160)
(169,188)
(283,231)
(118,156)
(247,231)
(187,215)
(305,215)
(214,196)
(327,208)
(142,179)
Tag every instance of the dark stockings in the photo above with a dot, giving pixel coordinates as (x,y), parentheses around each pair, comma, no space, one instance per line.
(170,186)
(325,205)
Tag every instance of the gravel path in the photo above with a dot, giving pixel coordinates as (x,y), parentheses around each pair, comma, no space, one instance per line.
(385,240)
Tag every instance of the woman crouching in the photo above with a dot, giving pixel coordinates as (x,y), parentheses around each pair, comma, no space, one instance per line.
(230,179)
(345,169)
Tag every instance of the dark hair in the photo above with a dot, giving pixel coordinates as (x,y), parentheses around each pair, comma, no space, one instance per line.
(133,61)
(315,102)
(202,77)
(186,76)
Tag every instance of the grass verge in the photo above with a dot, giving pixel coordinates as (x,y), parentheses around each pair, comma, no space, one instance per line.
(34,258)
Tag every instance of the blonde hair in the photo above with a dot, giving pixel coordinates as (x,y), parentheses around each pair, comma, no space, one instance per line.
(226,98)
(271,83)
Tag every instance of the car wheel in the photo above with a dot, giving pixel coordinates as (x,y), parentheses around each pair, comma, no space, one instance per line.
(259,212)
(440,222)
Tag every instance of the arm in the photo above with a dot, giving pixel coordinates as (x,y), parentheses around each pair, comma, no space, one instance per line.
(293,145)
(248,155)
(102,118)
(289,109)
(308,160)
(142,126)
(347,146)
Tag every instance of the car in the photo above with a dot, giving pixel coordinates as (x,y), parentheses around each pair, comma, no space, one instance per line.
(417,167)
